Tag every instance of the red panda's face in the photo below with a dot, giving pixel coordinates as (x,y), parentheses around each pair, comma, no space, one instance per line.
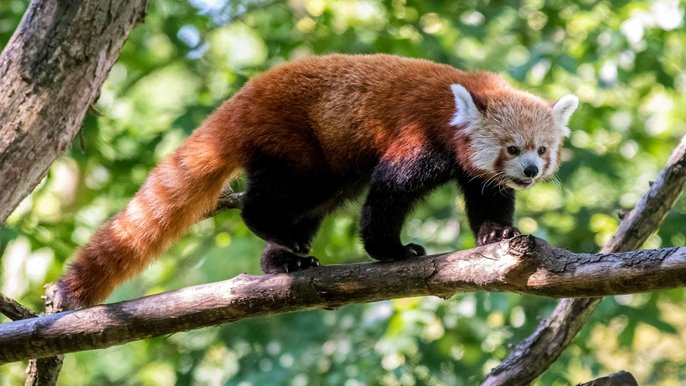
(514,140)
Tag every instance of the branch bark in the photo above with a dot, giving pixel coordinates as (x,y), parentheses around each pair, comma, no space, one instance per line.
(228,199)
(621,378)
(13,310)
(531,357)
(50,72)
(524,264)
(45,371)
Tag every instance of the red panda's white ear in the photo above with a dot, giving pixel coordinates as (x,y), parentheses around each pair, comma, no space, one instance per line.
(563,109)
(466,112)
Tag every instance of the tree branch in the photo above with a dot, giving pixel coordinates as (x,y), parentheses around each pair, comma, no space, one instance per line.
(620,378)
(45,371)
(531,357)
(13,310)
(50,72)
(525,264)
(228,199)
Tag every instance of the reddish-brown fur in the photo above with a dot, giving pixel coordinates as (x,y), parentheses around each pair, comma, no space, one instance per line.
(175,195)
(329,112)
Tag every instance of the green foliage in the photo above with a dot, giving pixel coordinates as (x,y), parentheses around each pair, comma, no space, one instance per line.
(623,59)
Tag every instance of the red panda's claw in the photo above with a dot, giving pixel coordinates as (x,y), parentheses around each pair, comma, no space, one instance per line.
(414,250)
(510,232)
(301,263)
(491,232)
(300,248)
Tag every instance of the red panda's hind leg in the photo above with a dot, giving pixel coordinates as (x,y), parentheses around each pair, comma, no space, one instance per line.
(285,206)
(276,259)
(287,233)
(283,215)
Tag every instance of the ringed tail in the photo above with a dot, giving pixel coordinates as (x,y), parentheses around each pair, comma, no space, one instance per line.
(178,192)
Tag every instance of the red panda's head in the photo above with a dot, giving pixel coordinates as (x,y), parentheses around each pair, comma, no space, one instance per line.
(513,138)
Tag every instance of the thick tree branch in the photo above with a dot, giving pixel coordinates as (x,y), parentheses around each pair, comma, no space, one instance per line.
(524,264)
(531,357)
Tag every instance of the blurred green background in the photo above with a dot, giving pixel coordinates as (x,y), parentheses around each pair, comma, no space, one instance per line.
(624,59)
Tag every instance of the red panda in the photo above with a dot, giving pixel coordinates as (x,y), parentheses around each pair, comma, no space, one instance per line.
(313,133)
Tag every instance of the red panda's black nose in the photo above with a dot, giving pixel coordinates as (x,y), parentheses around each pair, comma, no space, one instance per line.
(531,171)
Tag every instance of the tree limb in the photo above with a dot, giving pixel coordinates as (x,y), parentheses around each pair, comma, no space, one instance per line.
(531,357)
(620,378)
(524,264)
(50,72)
(13,310)
(45,371)
(228,199)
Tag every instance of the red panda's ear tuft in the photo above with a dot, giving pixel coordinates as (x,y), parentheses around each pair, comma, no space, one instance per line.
(467,108)
(563,109)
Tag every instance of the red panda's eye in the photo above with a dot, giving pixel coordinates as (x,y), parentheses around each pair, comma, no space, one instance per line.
(513,150)
(541,150)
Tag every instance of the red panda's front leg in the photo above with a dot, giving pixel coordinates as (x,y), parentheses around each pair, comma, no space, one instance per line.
(383,216)
(490,209)
(395,187)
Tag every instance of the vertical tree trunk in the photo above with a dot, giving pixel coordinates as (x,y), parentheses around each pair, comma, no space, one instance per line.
(50,72)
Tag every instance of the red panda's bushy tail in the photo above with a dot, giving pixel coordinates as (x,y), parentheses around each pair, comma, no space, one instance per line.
(178,192)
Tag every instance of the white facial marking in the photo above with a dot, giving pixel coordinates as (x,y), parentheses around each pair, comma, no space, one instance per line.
(563,110)
(466,112)
(486,151)
(552,164)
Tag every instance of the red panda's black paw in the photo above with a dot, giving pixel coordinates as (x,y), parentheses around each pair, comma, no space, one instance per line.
(301,263)
(394,253)
(413,250)
(300,248)
(276,259)
(492,233)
